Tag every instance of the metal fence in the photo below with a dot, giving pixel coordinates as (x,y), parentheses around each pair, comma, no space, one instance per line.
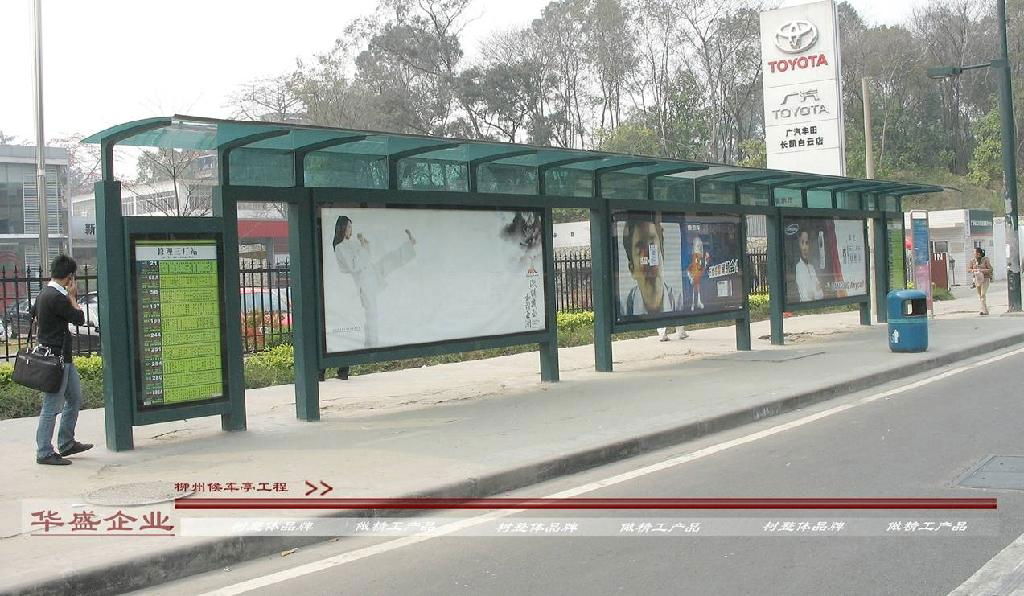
(265,305)
(757,265)
(18,290)
(573,289)
(266,300)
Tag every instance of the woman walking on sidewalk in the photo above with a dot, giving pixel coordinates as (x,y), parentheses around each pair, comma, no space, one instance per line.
(981,271)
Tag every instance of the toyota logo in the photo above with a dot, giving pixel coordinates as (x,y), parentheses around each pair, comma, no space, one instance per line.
(796,36)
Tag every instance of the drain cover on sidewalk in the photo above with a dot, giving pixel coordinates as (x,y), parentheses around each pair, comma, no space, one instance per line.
(999,472)
(136,493)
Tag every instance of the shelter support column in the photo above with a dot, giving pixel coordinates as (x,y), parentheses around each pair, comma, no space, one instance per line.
(880,254)
(549,349)
(776,291)
(225,206)
(112,258)
(601,283)
(305,323)
(743,324)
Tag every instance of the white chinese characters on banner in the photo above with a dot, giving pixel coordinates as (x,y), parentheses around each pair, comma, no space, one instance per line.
(802,89)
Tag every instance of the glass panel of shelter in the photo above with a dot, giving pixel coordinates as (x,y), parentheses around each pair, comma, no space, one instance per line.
(506,179)
(717,193)
(788,197)
(755,194)
(328,169)
(819,199)
(848,200)
(620,185)
(433,174)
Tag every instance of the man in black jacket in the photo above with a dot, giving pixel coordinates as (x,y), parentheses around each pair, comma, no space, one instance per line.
(55,308)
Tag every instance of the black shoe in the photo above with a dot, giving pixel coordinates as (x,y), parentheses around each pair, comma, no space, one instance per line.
(53,460)
(75,447)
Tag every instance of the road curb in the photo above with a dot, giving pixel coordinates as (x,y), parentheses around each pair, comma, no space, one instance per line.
(218,553)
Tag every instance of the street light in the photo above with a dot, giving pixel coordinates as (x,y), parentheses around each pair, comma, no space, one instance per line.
(1002,66)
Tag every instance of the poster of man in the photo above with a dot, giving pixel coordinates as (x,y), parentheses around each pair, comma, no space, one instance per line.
(712,276)
(397,277)
(649,271)
(676,264)
(826,258)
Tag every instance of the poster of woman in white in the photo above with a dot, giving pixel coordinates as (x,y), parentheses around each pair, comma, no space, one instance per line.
(396,277)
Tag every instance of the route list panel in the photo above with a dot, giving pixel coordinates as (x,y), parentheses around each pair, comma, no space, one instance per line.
(179,321)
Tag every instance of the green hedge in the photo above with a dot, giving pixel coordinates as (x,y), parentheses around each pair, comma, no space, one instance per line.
(17,401)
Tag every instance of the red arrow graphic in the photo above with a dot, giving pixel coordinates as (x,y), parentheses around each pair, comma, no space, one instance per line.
(312,488)
(328,488)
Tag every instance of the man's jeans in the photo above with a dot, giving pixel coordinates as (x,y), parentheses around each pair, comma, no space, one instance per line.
(70,396)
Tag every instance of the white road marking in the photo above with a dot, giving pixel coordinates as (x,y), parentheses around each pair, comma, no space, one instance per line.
(447,529)
(1003,575)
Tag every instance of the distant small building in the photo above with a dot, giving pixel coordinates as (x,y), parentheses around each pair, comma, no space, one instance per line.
(956,233)
(574,234)
(19,205)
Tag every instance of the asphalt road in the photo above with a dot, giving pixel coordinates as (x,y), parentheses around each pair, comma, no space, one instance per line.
(915,443)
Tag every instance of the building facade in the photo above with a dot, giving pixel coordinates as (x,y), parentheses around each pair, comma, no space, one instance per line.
(19,205)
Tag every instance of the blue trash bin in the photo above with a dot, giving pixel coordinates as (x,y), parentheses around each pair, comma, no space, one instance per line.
(908,320)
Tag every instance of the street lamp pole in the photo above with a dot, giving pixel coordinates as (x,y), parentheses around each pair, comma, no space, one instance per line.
(44,225)
(1002,65)
(1009,137)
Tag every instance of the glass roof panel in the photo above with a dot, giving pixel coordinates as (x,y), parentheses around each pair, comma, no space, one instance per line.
(188,132)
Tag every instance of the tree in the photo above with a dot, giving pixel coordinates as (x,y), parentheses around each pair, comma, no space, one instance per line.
(83,164)
(171,182)
(276,99)
(6,139)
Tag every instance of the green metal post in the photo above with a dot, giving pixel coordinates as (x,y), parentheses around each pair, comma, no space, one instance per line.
(113,285)
(776,292)
(549,349)
(302,253)
(226,207)
(601,284)
(881,257)
(743,325)
(1009,138)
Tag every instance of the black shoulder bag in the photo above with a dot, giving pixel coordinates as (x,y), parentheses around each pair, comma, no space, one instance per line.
(37,367)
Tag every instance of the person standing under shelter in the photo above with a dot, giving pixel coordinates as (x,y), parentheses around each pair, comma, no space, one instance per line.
(56,307)
(981,271)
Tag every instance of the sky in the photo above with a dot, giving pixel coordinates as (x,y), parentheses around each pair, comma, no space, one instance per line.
(110,61)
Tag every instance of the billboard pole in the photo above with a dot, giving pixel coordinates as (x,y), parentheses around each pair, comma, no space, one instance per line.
(44,241)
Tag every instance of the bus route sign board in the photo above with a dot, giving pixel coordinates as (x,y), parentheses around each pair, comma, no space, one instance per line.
(180,328)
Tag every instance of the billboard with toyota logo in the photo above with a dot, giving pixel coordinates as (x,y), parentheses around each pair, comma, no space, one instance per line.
(803,108)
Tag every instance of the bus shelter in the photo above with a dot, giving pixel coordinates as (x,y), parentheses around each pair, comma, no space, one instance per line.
(405,246)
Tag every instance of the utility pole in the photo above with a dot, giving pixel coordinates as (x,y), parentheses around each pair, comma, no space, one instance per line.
(869,147)
(44,240)
(1002,65)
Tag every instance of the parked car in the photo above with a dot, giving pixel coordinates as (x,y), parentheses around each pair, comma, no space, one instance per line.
(85,338)
(265,311)
(268,301)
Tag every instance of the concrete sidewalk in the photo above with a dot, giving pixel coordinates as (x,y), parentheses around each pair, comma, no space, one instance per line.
(467,429)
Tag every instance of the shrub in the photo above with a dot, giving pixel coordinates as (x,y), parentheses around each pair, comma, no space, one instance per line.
(276,366)
(758,300)
(574,321)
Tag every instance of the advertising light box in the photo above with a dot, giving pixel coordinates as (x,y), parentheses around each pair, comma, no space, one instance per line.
(400,277)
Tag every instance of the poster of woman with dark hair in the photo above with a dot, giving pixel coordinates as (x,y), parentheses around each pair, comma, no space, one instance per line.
(369,275)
